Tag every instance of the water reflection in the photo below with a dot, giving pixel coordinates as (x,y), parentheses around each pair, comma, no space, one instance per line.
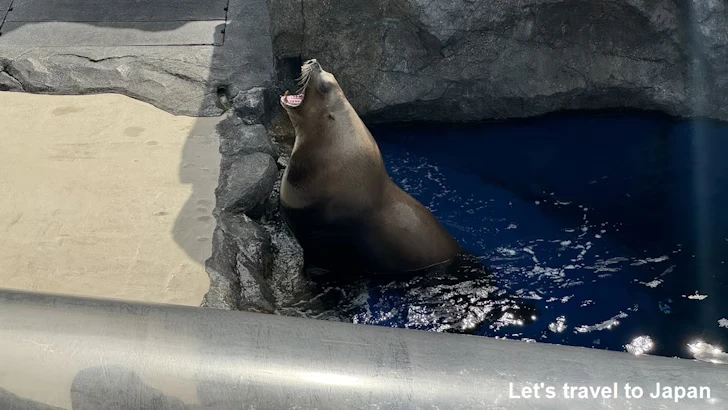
(594,220)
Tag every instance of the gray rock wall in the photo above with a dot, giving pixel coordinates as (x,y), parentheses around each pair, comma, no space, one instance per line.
(461,60)
(256,264)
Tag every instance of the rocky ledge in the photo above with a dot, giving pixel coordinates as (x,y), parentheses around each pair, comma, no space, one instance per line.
(193,80)
(256,264)
(465,60)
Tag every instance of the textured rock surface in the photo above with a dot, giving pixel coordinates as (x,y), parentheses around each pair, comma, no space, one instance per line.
(224,290)
(161,81)
(238,139)
(183,80)
(240,266)
(288,281)
(250,105)
(466,60)
(9,83)
(256,264)
(246,184)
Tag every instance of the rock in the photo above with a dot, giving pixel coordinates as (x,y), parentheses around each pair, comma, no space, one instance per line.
(256,295)
(283,162)
(280,129)
(404,60)
(9,83)
(11,401)
(180,79)
(240,266)
(246,184)
(238,139)
(224,291)
(287,27)
(176,86)
(253,261)
(288,281)
(250,105)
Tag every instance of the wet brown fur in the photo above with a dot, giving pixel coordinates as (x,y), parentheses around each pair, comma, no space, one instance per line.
(337,194)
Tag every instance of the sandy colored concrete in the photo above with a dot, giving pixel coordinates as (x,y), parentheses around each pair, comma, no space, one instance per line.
(105,196)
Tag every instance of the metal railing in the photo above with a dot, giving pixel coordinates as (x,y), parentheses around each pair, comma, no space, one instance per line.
(80,353)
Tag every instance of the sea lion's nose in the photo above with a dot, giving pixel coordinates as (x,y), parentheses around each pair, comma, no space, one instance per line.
(313,63)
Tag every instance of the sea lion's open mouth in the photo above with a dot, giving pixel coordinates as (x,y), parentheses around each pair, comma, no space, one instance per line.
(294,100)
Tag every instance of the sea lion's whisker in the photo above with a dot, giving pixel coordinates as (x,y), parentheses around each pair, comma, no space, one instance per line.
(304,78)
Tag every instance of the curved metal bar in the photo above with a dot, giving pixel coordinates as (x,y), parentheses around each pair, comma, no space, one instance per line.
(78,353)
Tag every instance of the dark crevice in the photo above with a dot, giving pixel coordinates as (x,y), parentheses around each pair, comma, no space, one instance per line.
(8,71)
(96,60)
(223,98)
(5,13)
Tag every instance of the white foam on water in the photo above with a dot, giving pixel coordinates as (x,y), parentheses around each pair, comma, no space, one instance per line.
(640,262)
(605,325)
(695,296)
(640,345)
(558,326)
(706,352)
(653,283)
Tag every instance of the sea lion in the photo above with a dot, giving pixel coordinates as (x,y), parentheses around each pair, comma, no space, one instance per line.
(336,195)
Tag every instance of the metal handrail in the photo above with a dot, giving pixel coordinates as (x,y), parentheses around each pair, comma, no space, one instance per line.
(81,353)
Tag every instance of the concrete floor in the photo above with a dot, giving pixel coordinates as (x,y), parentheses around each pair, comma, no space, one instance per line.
(105,196)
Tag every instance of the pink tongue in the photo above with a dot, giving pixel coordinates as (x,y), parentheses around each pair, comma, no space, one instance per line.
(294,99)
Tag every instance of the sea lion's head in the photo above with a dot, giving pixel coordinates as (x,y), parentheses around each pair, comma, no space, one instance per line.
(319,96)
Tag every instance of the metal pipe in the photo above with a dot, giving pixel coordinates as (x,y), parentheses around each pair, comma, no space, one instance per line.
(77,353)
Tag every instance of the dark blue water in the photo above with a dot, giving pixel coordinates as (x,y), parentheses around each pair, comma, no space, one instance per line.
(597,229)
(610,226)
